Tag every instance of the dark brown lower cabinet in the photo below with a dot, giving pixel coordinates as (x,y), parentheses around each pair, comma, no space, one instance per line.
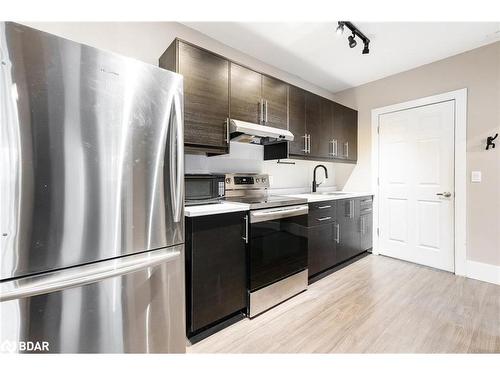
(337,231)
(348,231)
(216,271)
(322,247)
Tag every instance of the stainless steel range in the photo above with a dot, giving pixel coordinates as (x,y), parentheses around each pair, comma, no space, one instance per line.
(277,241)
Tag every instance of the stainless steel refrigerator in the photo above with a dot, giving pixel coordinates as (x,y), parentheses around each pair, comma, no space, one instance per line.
(91,199)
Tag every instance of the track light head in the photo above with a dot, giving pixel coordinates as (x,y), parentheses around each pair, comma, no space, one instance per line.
(352,41)
(366,49)
(340,28)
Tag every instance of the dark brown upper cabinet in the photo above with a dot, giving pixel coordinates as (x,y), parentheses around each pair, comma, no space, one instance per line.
(322,129)
(246,94)
(206,95)
(315,130)
(275,96)
(297,121)
(345,133)
(216,88)
(258,98)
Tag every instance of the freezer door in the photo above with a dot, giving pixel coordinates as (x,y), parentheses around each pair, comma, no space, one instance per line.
(91,163)
(134,304)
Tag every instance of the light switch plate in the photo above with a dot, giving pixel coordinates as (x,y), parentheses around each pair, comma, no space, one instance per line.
(475,176)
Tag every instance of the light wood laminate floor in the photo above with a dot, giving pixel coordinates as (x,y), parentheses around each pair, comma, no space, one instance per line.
(377,304)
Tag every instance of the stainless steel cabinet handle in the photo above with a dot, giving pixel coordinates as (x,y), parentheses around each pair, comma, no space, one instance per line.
(323,207)
(362,225)
(335,147)
(446,194)
(305,143)
(324,218)
(338,233)
(261,114)
(227,131)
(266,111)
(246,229)
(347,149)
(349,213)
(309,143)
(330,143)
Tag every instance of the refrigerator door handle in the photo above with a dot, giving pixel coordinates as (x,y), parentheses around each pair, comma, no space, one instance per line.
(72,277)
(177,158)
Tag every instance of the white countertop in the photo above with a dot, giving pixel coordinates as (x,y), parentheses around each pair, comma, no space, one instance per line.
(214,209)
(321,197)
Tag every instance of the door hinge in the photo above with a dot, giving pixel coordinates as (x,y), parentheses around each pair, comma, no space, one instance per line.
(378,232)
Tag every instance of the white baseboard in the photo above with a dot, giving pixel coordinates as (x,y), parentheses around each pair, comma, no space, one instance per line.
(483,271)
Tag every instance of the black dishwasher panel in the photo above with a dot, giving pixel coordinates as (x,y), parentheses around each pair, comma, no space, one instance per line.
(216,272)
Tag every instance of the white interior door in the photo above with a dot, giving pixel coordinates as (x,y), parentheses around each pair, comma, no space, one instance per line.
(416,186)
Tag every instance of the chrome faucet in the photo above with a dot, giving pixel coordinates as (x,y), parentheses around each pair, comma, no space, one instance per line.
(314,184)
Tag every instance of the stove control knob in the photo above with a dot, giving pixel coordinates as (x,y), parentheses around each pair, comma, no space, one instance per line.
(228,180)
(257,180)
(263,179)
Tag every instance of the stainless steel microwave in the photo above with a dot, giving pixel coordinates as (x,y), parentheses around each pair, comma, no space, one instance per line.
(203,188)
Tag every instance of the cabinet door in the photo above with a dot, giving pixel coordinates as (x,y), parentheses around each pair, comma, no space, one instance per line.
(345,132)
(297,120)
(313,125)
(326,128)
(216,285)
(206,96)
(351,134)
(366,227)
(322,248)
(275,94)
(246,91)
(349,235)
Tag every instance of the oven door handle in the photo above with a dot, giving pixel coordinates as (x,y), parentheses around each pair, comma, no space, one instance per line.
(277,213)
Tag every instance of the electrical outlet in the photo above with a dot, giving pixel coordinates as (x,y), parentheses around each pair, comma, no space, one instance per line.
(475,176)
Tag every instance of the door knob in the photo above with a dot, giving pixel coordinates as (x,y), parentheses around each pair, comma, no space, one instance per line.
(446,194)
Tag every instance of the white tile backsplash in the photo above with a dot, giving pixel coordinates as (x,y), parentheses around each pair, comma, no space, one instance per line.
(246,158)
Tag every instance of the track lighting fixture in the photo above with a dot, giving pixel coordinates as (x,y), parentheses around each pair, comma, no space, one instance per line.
(355,33)
(352,41)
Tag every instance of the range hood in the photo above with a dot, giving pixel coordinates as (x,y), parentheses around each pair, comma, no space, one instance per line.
(247,132)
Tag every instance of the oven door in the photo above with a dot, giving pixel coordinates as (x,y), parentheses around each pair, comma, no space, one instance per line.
(278,244)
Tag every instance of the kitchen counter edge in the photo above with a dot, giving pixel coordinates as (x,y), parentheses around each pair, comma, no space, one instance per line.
(214,209)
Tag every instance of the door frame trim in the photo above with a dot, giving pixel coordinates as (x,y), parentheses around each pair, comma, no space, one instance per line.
(460,165)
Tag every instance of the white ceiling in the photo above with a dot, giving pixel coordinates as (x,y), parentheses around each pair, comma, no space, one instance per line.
(314,52)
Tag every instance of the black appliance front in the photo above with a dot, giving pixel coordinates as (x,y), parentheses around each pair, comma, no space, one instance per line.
(278,249)
(216,277)
(202,188)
